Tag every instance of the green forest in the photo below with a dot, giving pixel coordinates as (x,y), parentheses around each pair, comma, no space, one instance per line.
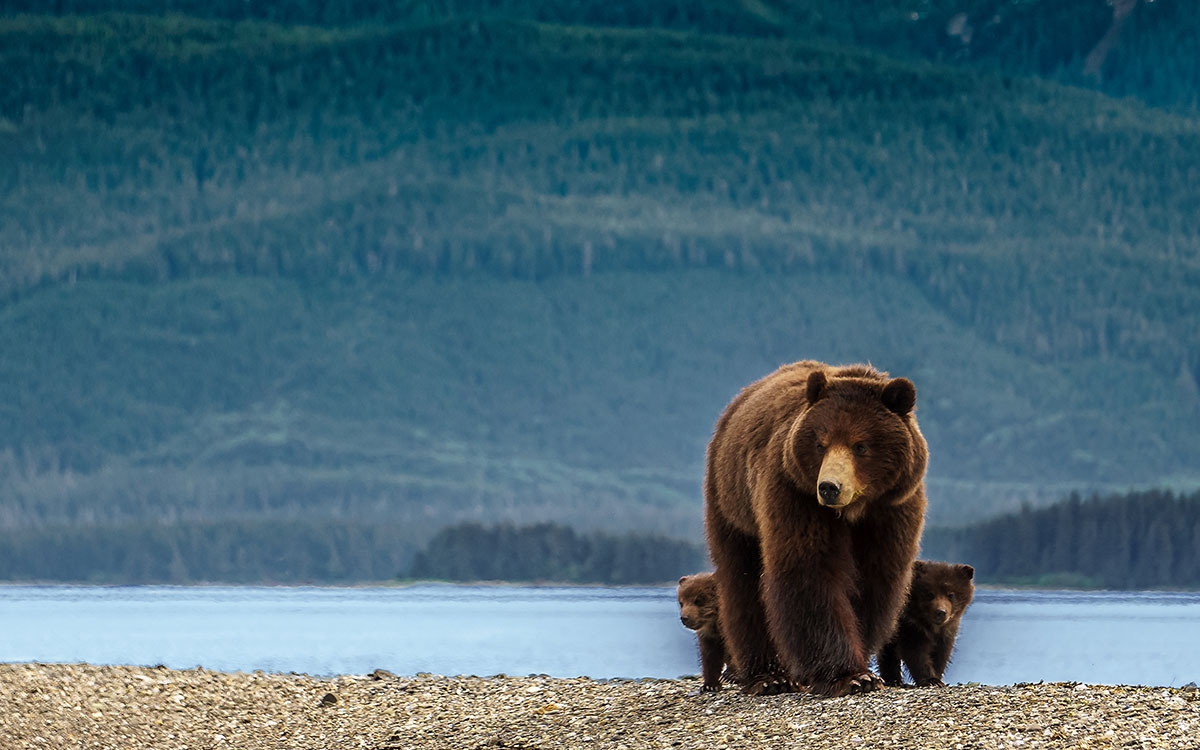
(302,552)
(549,552)
(362,271)
(1136,540)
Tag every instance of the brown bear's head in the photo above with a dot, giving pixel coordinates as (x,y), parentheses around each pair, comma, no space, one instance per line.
(698,601)
(939,595)
(857,441)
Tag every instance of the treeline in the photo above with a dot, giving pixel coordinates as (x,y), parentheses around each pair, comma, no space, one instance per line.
(292,552)
(229,552)
(549,552)
(1139,540)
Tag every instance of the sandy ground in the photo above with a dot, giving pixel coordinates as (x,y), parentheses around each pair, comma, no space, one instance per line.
(83,706)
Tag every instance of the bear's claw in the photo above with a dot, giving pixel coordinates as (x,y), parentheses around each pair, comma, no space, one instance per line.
(849,685)
(769,685)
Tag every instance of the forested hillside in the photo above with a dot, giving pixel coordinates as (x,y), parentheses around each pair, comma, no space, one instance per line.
(1131,541)
(410,264)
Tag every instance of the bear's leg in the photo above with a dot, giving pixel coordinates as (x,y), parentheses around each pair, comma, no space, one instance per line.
(940,658)
(885,546)
(712,661)
(808,583)
(920,665)
(736,557)
(889,666)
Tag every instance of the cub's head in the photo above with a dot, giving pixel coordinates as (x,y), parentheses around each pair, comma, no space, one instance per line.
(697,601)
(940,593)
(857,440)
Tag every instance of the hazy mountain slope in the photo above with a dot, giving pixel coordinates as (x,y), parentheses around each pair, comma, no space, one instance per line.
(162,149)
(581,400)
(1146,43)
(485,268)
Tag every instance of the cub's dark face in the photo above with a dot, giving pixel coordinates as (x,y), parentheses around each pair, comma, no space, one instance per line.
(854,443)
(940,593)
(697,596)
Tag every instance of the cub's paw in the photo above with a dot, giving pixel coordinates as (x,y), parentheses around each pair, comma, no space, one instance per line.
(710,688)
(934,682)
(848,685)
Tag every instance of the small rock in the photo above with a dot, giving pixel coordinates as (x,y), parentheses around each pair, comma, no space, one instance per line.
(328,699)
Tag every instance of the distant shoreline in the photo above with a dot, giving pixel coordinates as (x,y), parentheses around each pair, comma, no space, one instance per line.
(403,584)
(85,706)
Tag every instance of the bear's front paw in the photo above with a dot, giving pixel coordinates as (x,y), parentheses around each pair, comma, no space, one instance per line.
(935,682)
(769,685)
(710,687)
(848,685)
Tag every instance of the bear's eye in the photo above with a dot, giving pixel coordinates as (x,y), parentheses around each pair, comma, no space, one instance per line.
(860,449)
(819,444)
(701,601)
(950,597)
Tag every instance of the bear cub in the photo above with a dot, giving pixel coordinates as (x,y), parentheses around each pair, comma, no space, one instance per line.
(928,625)
(698,611)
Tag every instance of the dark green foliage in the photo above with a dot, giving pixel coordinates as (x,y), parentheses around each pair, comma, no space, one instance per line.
(226,551)
(1050,38)
(708,15)
(1140,540)
(549,552)
(423,262)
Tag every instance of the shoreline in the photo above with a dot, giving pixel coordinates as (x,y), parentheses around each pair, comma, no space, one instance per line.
(413,583)
(87,706)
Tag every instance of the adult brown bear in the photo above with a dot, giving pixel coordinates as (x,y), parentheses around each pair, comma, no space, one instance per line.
(814,504)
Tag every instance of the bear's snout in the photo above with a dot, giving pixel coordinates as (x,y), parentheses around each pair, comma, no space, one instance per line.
(829,492)
(942,609)
(837,485)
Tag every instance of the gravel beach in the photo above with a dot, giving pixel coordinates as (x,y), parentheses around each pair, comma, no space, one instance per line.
(84,706)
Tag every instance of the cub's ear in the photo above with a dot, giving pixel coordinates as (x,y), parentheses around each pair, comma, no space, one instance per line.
(682,579)
(966,571)
(899,395)
(918,566)
(816,386)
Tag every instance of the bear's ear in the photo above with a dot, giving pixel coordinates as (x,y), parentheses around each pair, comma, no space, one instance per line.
(682,579)
(899,395)
(966,571)
(918,566)
(816,386)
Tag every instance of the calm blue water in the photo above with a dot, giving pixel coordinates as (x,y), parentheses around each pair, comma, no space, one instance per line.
(1006,637)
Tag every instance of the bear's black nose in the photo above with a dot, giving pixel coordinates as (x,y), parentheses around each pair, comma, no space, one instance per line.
(829,491)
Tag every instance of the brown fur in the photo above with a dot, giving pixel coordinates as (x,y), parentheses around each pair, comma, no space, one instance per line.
(814,584)
(929,623)
(699,611)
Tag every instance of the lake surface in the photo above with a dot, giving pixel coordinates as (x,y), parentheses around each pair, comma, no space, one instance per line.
(1145,638)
